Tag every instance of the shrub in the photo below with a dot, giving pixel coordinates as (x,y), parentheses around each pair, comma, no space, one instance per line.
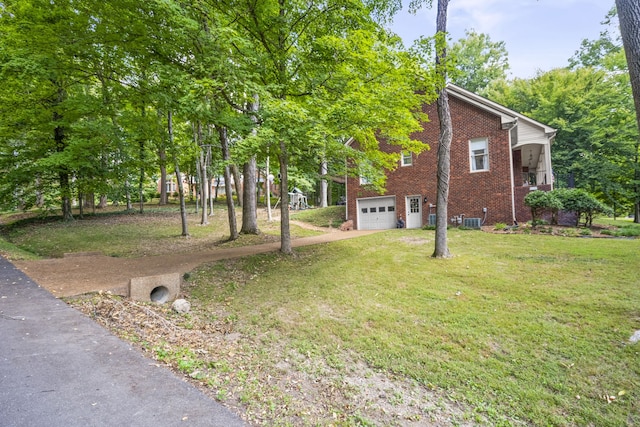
(582,203)
(500,226)
(541,201)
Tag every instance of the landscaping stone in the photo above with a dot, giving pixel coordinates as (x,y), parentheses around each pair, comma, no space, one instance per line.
(181,306)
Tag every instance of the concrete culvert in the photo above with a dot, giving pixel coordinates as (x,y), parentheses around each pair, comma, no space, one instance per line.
(159,289)
(159,294)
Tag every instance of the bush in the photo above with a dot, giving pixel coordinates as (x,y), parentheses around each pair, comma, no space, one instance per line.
(582,203)
(541,201)
(500,226)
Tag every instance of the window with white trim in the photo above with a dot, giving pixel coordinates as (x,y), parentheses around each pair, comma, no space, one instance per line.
(364,180)
(479,154)
(407,158)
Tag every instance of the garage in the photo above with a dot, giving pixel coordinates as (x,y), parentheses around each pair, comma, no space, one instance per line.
(376,213)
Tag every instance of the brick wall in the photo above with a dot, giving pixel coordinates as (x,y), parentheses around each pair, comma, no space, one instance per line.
(469,192)
(523,213)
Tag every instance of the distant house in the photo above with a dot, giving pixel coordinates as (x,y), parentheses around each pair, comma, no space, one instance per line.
(497,157)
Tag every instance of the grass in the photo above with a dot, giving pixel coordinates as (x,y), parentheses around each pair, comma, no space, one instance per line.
(521,328)
(624,227)
(126,234)
(515,328)
(332,216)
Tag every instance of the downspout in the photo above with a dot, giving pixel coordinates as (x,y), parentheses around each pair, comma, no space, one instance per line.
(509,127)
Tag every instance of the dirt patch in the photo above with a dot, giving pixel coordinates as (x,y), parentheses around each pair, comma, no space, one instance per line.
(264,378)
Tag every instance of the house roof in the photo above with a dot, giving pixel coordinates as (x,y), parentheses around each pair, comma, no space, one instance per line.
(507,116)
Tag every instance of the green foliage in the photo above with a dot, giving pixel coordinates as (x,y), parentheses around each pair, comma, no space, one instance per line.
(591,104)
(541,201)
(478,61)
(582,203)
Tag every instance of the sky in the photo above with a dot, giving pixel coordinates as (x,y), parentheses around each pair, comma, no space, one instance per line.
(540,35)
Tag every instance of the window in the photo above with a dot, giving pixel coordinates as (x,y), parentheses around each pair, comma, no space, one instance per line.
(372,210)
(407,158)
(414,205)
(391,209)
(365,210)
(364,180)
(479,154)
(381,209)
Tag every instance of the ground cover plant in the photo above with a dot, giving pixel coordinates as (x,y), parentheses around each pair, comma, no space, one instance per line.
(515,329)
(332,216)
(521,328)
(119,233)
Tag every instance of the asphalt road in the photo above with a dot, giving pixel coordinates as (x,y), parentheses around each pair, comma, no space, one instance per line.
(59,368)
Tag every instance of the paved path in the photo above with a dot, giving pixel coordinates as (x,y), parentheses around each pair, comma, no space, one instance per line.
(77,275)
(60,369)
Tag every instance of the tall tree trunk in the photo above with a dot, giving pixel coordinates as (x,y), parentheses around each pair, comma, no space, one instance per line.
(324,185)
(183,207)
(127,192)
(89,200)
(103,201)
(629,16)
(80,206)
(203,161)
(250,201)
(226,157)
(267,192)
(285,230)
(249,193)
(63,174)
(209,183)
(444,139)
(238,182)
(636,178)
(142,171)
(164,196)
(204,191)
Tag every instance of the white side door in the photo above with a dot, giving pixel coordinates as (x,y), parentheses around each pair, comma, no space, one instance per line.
(414,211)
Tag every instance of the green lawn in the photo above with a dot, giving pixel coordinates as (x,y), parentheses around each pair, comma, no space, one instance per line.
(518,327)
(515,328)
(128,234)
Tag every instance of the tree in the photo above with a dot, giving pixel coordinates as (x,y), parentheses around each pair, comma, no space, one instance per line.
(540,202)
(250,169)
(591,52)
(629,15)
(446,133)
(478,61)
(581,203)
(40,80)
(592,106)
(312,60)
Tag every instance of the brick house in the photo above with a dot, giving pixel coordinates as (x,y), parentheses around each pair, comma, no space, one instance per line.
(497,157)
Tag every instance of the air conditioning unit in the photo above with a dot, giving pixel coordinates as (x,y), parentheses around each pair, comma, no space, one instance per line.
(472,222)
(432,219)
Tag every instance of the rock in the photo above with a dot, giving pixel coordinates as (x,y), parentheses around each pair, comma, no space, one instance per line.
(181,306)
(635,337)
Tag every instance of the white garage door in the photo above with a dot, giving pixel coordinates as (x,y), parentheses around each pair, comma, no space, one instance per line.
(377,213)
